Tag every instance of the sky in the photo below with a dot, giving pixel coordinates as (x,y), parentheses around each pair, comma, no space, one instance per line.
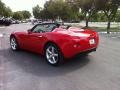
(18,5)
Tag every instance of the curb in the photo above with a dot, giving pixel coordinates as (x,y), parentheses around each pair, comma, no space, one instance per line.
(110,32)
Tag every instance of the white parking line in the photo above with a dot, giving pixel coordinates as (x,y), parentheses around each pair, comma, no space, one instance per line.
(113,37)
(2,27)
(116,37)
(110,32)
(1,35)
(102,32)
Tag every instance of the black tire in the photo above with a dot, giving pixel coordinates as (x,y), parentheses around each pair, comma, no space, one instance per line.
(60,58)
(16,47)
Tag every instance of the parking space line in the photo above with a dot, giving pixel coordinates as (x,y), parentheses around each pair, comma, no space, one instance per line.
(113,37)
(116,37)
(2,27)
(1,35)
(110,32)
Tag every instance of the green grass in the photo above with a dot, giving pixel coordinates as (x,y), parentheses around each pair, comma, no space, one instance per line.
(112,29)
(101,29)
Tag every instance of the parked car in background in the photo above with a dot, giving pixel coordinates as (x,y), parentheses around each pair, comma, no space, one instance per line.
(24,21)
(5,21)
(15,21)
(36,21)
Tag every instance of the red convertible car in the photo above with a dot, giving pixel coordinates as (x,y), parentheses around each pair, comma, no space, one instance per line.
(55,42)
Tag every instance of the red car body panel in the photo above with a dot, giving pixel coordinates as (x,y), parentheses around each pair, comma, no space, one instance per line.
(71,42)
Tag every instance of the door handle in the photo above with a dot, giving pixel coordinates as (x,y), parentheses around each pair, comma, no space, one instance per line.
(40,36)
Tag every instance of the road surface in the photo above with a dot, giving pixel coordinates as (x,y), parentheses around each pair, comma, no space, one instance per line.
(23,70)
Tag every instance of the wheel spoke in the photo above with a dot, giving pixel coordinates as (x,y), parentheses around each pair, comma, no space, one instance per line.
(49,51)
(14,44)
(53,58)
(56,55)
(13,40)
(50,56)
(11,43)
(52,49)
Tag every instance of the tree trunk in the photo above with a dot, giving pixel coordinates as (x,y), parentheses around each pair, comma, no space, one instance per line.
(108,27)
(87,23)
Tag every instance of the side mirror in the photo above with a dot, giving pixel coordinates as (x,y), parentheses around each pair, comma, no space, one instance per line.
(29,31)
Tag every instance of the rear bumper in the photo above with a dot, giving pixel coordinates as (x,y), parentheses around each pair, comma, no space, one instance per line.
(88,51)
(80,52)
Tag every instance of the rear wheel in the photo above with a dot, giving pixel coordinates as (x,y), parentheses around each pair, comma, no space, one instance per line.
(53,55)
(14,44)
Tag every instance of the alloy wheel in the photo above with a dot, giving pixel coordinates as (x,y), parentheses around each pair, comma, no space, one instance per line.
(13,43)
(52,55)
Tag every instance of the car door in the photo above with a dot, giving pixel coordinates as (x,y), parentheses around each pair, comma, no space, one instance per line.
(35,39)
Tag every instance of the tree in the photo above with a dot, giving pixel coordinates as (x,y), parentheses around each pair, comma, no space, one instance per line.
(74,14)
(2,6)
(4,10)
(54,9)
(36,11)
(88,8)
(99,17)
(81,16)
(117,18)
(26,14)
(18,15)
(59,8)
(7,12)
(110,8)
(40,13)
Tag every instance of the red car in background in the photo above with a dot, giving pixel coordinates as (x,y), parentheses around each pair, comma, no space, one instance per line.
(55,42)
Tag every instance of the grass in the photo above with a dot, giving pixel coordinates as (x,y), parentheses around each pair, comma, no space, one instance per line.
(112,29)
(100,29)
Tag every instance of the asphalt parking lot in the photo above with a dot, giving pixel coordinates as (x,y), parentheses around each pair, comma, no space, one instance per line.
(23,70)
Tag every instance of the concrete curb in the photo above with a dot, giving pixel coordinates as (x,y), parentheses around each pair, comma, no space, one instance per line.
(110,32)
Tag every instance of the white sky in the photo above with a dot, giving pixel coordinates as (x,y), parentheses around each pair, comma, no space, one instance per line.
(17,5)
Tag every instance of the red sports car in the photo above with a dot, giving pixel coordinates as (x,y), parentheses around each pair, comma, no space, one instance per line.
(55,42)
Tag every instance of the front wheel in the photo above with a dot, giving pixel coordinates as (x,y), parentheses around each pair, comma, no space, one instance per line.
(14,44)
(53,55)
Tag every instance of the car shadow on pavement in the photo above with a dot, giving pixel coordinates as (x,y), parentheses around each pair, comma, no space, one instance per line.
(36,64)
